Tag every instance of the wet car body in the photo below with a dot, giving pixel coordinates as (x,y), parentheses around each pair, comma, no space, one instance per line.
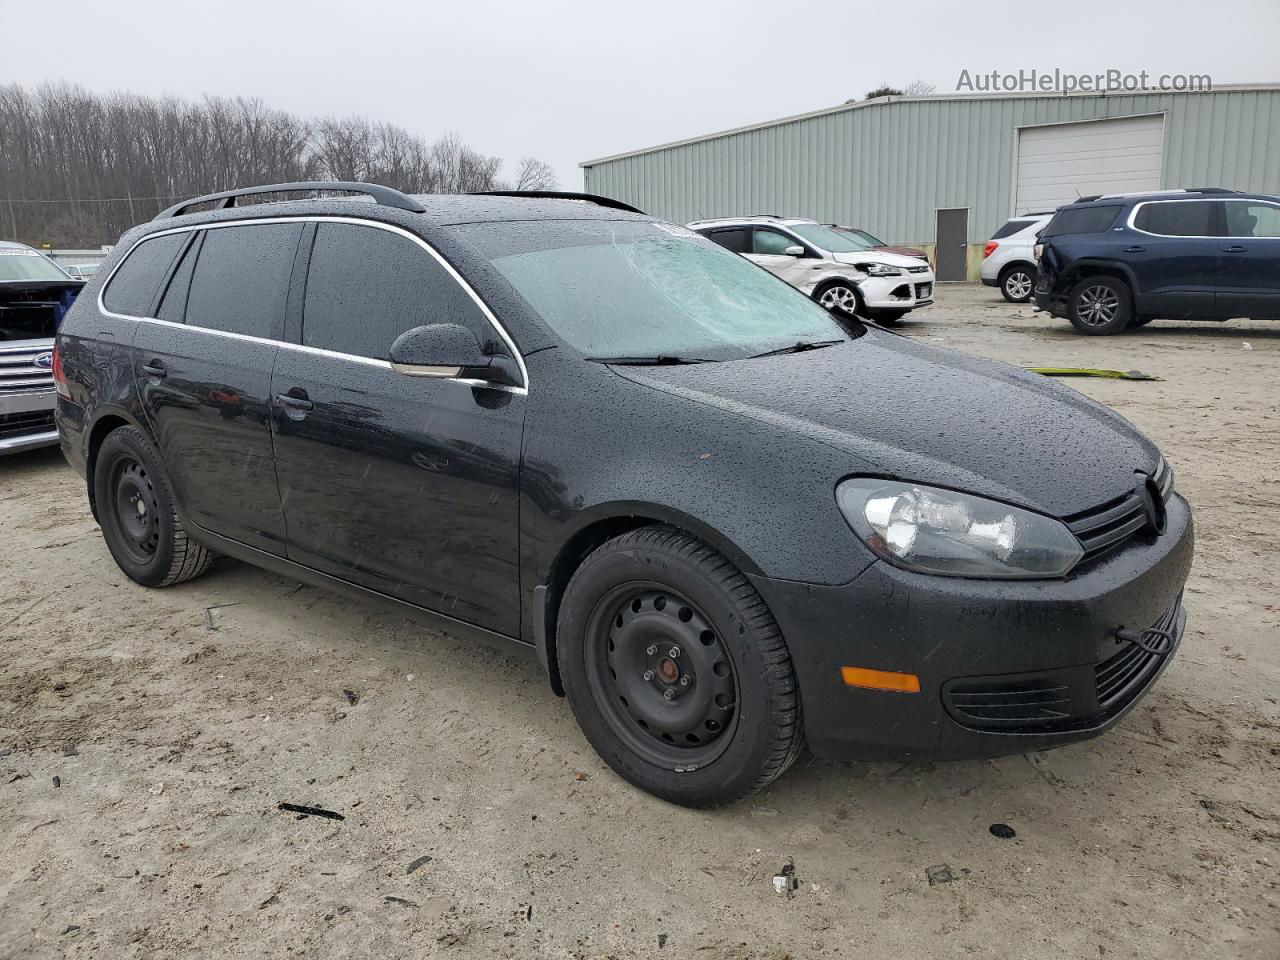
(477,516)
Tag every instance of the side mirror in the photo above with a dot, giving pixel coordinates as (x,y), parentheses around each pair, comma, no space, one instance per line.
(795,250)
(437,350)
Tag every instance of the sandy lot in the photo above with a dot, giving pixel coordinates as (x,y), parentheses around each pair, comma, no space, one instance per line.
(147,736)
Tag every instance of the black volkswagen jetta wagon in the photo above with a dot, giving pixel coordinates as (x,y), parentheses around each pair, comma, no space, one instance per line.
(726,523)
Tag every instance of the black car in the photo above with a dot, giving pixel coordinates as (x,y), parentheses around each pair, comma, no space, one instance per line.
(567,427)
(1111,262)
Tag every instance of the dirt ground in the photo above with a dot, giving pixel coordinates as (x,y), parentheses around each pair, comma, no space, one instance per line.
(147,736)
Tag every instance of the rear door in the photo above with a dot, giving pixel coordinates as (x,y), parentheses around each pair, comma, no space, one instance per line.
(402,484)
(203,368)
(1174,257)
(1249,273)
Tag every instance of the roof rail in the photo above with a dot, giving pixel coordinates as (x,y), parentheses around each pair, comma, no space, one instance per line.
(227,198)
(560,195)
(1211,190)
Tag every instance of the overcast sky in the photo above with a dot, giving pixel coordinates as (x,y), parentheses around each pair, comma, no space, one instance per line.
(570,81)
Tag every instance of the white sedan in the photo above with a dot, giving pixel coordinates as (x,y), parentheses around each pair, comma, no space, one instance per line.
(831,266)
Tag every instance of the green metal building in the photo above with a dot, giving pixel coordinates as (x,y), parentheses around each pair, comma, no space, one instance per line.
(951,169)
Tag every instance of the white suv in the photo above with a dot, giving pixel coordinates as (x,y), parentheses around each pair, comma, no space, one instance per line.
(1009,262)
(832,267)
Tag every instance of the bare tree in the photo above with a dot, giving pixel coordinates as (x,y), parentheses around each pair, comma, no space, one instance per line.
(533,174)
(78,168)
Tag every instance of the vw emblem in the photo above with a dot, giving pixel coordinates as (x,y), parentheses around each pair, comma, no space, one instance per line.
(44,360)
(1152,504)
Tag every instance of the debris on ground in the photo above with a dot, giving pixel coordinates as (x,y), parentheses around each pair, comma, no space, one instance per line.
(70,750)
(310,811)
(352,697)
(420,862)
(400,900)
(662,940)
(57,782)
(757,811)
(938,874)
(785,880)
(1003,831)
(208,614)
(1093,372)
(156,790)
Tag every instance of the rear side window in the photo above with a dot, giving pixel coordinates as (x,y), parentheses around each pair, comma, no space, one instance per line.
(1010,228)
(133,287)
(241,278)
(1249,218)
(1080,220)
(366,286)
(731,238)
(1180,218)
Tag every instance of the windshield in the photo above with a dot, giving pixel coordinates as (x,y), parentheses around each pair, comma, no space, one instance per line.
(18,264)
(830,238)
(617,288)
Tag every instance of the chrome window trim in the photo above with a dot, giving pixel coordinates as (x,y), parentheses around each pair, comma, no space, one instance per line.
(358,221)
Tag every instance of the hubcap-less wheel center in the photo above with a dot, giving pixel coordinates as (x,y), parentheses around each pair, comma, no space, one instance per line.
(136,510)
(662,676)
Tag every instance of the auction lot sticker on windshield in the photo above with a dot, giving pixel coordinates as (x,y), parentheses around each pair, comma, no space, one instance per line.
(6,252)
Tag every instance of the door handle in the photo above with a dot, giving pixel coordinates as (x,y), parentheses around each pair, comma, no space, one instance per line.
(1235,249)
(154,369)
(295,402)
(1136,248)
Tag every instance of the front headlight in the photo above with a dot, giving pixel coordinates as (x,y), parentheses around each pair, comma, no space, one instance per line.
(955,534)
(879,269)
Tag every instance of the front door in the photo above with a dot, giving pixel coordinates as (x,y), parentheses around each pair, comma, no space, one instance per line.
(408,486)
(1249,272)
(768,248)
(203,369)
(952,253)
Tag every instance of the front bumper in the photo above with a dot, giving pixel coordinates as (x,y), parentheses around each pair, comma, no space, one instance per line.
(26,421)
(904,292)
(1045,651)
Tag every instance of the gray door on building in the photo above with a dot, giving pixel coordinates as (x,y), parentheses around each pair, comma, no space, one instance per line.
(953,244)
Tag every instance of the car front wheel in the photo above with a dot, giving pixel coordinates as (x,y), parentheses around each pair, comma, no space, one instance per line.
(676,671)
(1017,284)
(135,507)
(1100,306)
(840,298)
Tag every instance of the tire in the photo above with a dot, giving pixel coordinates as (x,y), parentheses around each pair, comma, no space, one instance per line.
(841,298)
(136,511)
(1017,283)
(1100,306)
(643,613)
(888,318)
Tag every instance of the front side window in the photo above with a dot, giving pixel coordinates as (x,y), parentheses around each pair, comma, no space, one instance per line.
(1080,220)
(617,288)
(1176,218)
(771,243)
(1249,218)
(133,287)
(241,278)
(366,286)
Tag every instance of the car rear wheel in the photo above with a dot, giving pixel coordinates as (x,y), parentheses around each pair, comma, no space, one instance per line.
(1100,306)
(1017,283)
(676,671)
(136,510)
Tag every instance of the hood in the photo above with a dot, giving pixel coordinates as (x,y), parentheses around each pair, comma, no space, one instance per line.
(894,407)
(876,256)
(912,252)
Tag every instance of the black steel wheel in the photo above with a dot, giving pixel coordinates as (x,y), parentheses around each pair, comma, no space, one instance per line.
(135,507)
(675,669)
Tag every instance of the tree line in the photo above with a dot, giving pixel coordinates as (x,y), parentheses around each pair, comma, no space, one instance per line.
(78,168)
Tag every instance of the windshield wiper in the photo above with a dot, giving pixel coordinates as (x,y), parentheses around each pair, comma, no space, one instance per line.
(658,360)
(799,347)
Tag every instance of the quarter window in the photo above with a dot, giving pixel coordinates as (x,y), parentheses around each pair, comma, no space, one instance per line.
(1177,218)
(366,286)
(133,288)
(241,278)
(771,242)
(1246,218)
(1010,228)
(1072,220)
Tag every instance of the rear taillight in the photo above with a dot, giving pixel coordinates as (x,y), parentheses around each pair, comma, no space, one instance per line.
(1038,251)
(991,248)
(59,378)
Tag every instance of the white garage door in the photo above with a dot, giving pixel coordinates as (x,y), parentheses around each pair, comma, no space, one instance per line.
(1058,163)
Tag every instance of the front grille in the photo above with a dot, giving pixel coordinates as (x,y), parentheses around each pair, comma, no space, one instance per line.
(919,269)
(18,370)
(21,424)
(1107,528)
(1019,703)
(1071,698)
